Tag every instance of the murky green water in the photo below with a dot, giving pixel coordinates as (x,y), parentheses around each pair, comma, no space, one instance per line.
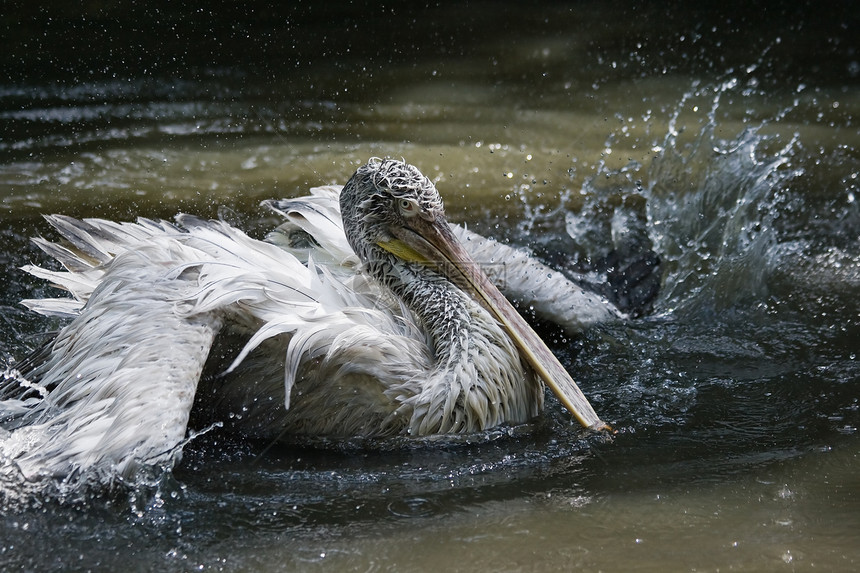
(726,140)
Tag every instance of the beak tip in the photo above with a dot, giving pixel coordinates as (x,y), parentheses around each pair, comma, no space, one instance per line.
(601,426)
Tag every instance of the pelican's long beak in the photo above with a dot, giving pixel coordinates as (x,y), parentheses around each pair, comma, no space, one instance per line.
(432,242)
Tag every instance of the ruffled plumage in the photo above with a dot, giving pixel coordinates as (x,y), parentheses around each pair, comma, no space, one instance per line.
(327,350)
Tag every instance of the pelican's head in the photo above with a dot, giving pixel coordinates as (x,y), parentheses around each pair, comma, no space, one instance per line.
(382,203)
(392,211)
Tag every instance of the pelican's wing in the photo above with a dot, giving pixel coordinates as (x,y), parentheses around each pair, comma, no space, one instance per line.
(121,379)
(531,284)
(113,392)
(118,382)
(315,221)
(313,224)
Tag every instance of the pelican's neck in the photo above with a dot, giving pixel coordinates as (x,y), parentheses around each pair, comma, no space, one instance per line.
(446,313)
(478,380)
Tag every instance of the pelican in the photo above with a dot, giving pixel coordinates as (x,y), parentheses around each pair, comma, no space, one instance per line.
(363,314)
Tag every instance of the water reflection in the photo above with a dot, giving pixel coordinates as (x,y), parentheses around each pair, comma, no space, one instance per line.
(726,141)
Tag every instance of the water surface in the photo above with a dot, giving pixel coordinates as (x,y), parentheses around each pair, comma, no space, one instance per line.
(727,141)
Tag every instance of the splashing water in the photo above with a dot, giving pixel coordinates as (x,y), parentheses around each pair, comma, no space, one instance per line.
(729,216)
(711,212)
(708,206)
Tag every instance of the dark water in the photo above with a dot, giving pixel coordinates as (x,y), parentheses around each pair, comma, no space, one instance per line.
(727,140)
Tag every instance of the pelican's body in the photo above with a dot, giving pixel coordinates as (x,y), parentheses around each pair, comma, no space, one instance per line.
(351,323)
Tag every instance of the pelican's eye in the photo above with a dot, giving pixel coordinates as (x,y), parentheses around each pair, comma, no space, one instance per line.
(408,207)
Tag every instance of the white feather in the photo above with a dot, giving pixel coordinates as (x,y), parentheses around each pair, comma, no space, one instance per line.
(149,298)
